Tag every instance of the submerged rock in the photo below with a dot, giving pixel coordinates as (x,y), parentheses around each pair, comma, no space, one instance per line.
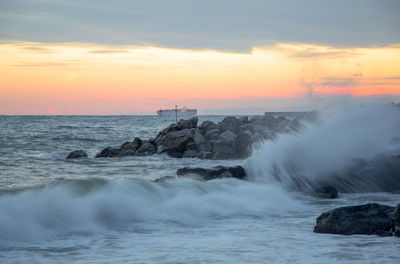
(367,219)
(77,154)
(237,172)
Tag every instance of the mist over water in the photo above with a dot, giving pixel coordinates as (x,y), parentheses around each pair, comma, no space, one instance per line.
(96,205)
(329,152)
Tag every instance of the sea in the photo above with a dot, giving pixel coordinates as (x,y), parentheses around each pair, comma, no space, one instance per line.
(109,210)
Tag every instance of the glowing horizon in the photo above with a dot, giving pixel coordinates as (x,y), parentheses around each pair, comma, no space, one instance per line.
(85,78)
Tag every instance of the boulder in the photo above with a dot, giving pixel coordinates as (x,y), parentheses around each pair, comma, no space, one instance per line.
(212,134)
(131,146)
(108,152)
(146,149)
(177,140)
(396,220)
(188,123)
(198,137)
(77,154)
(224,147)
(327,192)
(190,154)
(237,172)
(229,123)
(208,125)
(367,219)
(164,179)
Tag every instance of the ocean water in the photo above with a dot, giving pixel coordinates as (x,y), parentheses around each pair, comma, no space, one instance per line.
(108,210)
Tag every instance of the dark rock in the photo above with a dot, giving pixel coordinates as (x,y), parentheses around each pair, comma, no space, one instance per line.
(190,154)
(229,123)
(77,154)
(108,152)
(213,173)
(164,179)
(198,137)
(205,155)
(133,146)
(177,140)
(208,125)
(188,123)
(396,220)
(224,147)
(174,153)
(327,192)
(367,219)
(212,134)
(146,149)
(244,119)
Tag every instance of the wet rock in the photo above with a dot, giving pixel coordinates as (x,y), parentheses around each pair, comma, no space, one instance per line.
(77,154)
(208,125)
(396,220)
(164,179)
(224,147)
(229,123)
(367,219)
(146,149)
(212,134)
(327,192)
(108,152)
(190,154)
(188,123)
(218,172)
(177,140)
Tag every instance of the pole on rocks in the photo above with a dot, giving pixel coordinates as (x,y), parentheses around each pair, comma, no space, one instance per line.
(176,114)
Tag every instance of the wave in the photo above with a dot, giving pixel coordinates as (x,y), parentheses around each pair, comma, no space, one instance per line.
(72,138)
(96,205)
(354,150)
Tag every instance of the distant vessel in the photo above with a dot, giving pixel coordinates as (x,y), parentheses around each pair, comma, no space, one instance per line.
(180,112)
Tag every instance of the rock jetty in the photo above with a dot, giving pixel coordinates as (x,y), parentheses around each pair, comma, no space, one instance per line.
(232,138)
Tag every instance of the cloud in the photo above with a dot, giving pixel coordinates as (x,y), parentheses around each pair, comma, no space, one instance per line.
(108,51)
(233,25)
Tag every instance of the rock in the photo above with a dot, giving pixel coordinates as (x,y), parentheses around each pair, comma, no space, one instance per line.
(177,140)
(224,147)
(133,146)
(244,119)
(190,154)
(237,172)
(108,152)
(126,153)
(212,134)
(367,219)
(208,125)
(174,153)
(77,154)
(164,179)
(146,149)
(229,123)
(188,123)
(205,155)
(198,138)
(327,192)
(396,220)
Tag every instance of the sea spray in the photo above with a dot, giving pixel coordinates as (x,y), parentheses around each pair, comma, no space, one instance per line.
(325,152)
(93,206)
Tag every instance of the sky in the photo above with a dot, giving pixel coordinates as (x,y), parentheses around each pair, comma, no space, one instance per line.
(134,57)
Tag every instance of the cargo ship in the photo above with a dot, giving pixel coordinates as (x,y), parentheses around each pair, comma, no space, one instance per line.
(180,112)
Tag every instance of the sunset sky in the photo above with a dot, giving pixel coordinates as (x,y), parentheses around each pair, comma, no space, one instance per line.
(130,57)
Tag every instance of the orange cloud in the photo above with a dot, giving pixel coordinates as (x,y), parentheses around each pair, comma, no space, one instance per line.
(53,78)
